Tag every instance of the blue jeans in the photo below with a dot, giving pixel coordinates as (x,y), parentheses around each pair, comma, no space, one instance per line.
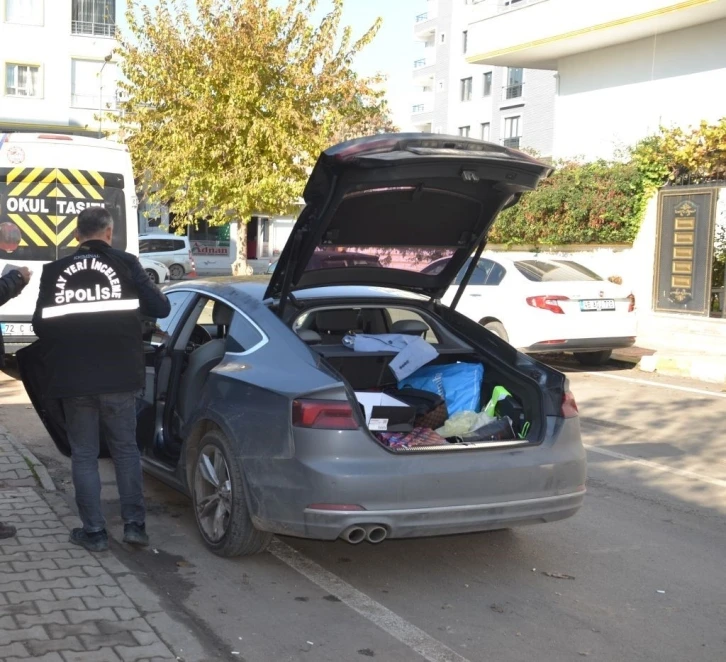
(115,415)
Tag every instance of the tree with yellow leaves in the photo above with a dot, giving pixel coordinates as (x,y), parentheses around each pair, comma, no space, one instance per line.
(228,103)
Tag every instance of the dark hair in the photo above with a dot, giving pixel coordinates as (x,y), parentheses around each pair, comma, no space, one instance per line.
(93,221)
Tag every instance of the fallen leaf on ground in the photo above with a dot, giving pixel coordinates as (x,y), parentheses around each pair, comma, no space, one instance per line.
(557,575)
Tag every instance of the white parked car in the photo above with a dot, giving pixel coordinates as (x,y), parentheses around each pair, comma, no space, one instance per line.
(157,271)
(546,305)
(172,250)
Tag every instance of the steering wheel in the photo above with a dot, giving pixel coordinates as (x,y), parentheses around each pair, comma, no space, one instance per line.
(198,337)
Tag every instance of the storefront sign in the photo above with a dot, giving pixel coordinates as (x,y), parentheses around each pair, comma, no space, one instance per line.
(684,250)
(212,248)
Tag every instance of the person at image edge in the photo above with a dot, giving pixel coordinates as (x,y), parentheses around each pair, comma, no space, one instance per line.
(88,321)
(11,284)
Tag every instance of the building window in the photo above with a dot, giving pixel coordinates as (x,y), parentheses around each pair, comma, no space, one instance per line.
(486,130)
(26,12)
(466,89)
(464,41)
(487,84)
(94,17)
(464,131)
(93,84)
(22,80)
(515,78)
(512,131)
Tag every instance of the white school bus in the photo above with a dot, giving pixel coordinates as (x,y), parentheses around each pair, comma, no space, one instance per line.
(46,180)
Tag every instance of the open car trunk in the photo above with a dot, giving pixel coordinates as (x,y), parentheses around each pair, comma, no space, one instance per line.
(464,376)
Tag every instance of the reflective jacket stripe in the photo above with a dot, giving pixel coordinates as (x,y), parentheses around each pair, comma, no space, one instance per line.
(90,307)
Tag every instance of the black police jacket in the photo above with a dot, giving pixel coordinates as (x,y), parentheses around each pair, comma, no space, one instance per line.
(11,284)
(88,321)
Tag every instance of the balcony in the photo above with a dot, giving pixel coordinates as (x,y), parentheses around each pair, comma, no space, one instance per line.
(512,142)
(424,67)
(424,27)
(88,28)
(536,34)
(512,92)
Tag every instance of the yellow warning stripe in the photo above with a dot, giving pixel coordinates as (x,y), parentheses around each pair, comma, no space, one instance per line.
(20,222)
(56,193)
(43,226)
(73,190)
(39,189)
(27,181)
(14,174)
(97,177)
(68,230)
(56,220)
(91,190)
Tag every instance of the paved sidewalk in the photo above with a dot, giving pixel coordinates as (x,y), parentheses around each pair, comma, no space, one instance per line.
(58,602)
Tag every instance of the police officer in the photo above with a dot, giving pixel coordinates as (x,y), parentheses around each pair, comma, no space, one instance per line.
(11,284)
(88,319)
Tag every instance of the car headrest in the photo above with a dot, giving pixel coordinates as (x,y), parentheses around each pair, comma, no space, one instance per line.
(222,314)
(410,327)
(309,336)
(336,321)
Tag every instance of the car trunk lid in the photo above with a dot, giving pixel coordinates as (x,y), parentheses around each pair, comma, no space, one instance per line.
(405,199)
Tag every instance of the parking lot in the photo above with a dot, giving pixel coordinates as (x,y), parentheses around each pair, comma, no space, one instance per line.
(636,575)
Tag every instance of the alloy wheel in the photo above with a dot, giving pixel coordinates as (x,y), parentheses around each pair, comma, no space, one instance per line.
(213,493)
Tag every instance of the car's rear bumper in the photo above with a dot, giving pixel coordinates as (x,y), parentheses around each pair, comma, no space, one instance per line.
(15,343)
(582,345)
(335,482)
(423,522)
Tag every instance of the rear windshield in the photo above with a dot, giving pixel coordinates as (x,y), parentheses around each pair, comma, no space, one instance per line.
(39,208)
(556,270)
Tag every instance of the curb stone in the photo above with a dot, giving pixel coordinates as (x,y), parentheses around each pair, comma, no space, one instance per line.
(34,464)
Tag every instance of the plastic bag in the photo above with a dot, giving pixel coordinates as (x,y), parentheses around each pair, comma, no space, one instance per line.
(463,423)
(458,383)
(499,393)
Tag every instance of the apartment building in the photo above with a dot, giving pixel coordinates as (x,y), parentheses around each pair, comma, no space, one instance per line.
(513,106)
(625,67)
(59,72)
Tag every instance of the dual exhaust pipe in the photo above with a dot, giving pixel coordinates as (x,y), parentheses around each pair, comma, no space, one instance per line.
(373,533)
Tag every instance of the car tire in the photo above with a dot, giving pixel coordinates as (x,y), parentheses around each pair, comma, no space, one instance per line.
(176,272)
(593,359)
(225,503)
(497,328)
(153,276)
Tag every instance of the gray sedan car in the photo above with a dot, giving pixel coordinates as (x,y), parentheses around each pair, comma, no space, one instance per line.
(256,396)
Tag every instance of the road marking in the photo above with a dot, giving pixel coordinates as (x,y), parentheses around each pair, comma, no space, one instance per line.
(632,380)
(408,634)
(685,473)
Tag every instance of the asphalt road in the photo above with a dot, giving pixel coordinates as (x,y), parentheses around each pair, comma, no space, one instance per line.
(638,574)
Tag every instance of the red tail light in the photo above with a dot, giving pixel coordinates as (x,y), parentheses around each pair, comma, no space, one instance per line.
(323,415)
(550,303)
(569,406)
(631,307)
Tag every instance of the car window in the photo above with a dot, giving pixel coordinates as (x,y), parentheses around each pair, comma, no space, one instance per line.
(435,268)
(206,317)
(177,245)
(165,327)
(480,275)
(539,271)
(400,314)
(496,274)
(242,336)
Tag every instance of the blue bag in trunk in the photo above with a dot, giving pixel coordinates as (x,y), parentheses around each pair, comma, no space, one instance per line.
(458,383)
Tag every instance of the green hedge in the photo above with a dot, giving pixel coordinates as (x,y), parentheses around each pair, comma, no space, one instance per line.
(581,203)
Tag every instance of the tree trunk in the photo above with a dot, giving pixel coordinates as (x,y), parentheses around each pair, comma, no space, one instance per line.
(240,266)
